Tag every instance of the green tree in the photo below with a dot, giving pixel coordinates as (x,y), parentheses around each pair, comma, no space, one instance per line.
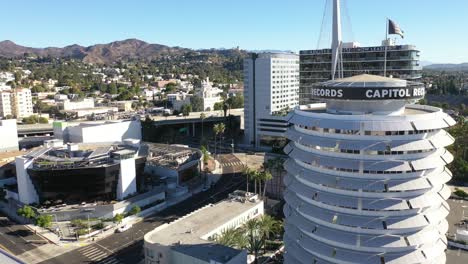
(232,237)
(265,177)
(236,101)
(202,117)
(252,175)
(460,193)
(112,88)
(197,103)
(43,120)
(186,109)
(118,218)
(135,210)
(26,212)
(218,106)
(268,227)
(206,155)
(218,129)
(44,221)
(171,87)
(254,237)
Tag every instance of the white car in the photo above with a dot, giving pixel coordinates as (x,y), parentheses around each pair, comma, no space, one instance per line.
(124,228)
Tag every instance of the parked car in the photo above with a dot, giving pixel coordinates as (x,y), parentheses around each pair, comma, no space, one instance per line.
(123,228)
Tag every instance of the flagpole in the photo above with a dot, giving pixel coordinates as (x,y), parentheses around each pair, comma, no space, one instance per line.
(386,44)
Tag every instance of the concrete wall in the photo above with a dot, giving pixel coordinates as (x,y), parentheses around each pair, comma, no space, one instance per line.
(26,191)
(127,179)
(8,135)
(180,258)
(110,210)
(239,259)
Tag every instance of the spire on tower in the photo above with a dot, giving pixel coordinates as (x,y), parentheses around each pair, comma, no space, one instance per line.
(337,63)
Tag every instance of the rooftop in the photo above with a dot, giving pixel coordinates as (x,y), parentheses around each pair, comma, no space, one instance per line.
(208,252)
(409,109)
(7,157)
(190,229)
(78,155)
(366,80)
(171,156)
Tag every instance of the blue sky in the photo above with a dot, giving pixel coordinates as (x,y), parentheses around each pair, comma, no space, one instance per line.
(438,28)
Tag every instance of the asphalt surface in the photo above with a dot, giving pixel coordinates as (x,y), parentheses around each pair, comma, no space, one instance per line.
(127,247)
(17,239)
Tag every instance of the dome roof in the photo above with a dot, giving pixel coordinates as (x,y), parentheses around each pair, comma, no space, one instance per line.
(366,80)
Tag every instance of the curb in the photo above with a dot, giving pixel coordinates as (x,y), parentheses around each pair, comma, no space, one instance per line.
(40,235)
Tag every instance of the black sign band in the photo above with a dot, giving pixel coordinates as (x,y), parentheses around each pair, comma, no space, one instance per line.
(355,93)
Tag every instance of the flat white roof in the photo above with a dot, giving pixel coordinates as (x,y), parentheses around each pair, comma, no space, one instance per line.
(189,229)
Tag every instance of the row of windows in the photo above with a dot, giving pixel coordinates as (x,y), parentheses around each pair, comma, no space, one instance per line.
(367,152)
(366,132)
(315,164)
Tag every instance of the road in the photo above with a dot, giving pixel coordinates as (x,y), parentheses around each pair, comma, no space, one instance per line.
(127,247)
(17,239)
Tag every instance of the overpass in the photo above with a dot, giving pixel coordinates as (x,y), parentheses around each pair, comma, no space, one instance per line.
(34,130)
(192,118)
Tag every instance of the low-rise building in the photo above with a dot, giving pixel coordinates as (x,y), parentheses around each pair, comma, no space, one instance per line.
(174,166)
(178,100)
(97,131)
(92,111)
(67,105)
(190,239)
(123,106)
(79,172)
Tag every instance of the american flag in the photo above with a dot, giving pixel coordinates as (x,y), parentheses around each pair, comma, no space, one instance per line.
(394,28)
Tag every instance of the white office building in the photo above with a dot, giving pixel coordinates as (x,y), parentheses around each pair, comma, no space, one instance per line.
(271,88)
(16,103)
(8,135)
(367,175)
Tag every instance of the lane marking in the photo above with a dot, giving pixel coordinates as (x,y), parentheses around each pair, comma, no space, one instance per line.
(111,251)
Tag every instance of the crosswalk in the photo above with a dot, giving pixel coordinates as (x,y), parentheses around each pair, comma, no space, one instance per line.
(232,164)
(97,255)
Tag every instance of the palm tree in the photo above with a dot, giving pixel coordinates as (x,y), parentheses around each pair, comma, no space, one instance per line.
(202,117)
(268,227)
(254,239)
(255,176)
(265,176)
(232,238)
(275,165)
(218,129)
(251,175)
(247,172)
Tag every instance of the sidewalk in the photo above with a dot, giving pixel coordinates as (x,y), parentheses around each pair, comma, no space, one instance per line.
(44,233)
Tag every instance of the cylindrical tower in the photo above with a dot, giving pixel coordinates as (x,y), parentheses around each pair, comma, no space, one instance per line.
(366,175)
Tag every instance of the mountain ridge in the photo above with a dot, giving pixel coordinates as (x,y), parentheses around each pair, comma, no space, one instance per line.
(98,53)
(448,66)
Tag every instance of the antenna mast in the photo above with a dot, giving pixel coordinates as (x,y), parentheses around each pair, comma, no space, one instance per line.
(337,59)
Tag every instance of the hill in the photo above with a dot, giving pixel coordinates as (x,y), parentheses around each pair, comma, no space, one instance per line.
(128,49)
(448,67)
